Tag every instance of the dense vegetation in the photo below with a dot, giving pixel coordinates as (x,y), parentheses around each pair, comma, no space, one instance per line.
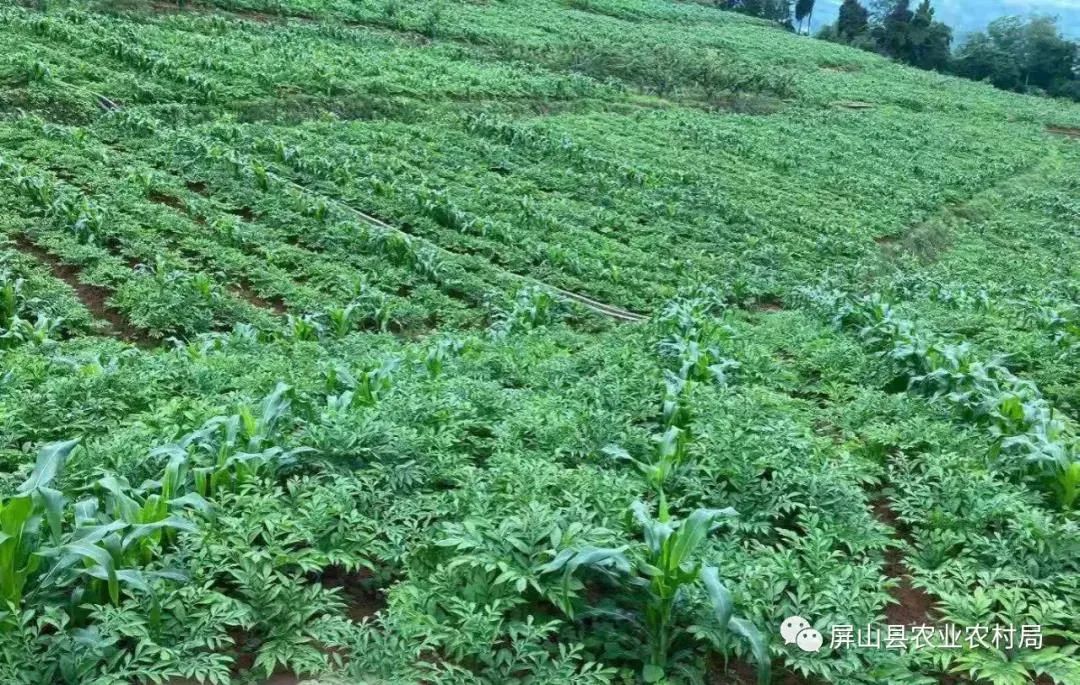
(524,342)
(1025,55)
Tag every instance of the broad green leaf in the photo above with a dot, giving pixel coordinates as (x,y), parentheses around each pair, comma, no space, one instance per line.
(191,500)
(758,646)
(718,595)
(52,502)
(50,460)
(103,559)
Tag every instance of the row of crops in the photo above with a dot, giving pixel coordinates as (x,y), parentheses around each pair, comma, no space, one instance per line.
(402,538)
(379,341)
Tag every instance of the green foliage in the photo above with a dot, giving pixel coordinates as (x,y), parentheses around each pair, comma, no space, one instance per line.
(1021,422)
(374,449)
(1020,55)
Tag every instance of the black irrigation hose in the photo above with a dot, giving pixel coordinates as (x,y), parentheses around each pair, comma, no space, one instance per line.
(607,310)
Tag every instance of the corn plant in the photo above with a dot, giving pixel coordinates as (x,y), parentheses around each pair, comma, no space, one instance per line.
(342,320)
(533,306)
(79,216)
(664,569)
(10,298)
(306,327)
(373,303)
(1020,420)
(669,453)
(695,331)
(38,189)
(14,329)
(152,510)
(373,383)
(229,451)
(22,538)
(437,355)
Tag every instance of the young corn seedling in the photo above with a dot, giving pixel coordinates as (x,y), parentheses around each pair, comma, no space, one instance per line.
(152,510)
(10,298)
(228,451)
(375,382)
(665,568)
(438,354)
(22,537)
(342,320)
(670,452)
(1021,422)
(305,327)
(533,306)
(106,550)
(38,189)
(373,304)
(15,330)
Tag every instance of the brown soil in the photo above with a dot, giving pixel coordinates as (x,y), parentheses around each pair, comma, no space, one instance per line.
(845,68)
(196,187)
(244,213)
(362,598)
(93,297)
(1067,131)
(168,200)
(914,606)
(61,173)
(854,104)
(166,7)
(273,304)
(769,303)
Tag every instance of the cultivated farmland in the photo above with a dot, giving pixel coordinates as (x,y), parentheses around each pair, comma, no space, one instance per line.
(584,341)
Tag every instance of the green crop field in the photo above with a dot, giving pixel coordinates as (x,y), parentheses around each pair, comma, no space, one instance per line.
(550,342)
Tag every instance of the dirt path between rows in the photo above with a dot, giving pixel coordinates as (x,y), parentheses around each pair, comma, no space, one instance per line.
(913,605)
(93,297)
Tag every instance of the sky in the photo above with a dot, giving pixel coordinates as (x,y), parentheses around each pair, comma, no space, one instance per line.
(966,16)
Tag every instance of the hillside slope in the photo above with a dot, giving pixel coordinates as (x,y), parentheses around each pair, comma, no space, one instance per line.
(375,320)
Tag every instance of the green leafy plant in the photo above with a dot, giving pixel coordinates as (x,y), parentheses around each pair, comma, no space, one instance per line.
(665,567)
(22,535)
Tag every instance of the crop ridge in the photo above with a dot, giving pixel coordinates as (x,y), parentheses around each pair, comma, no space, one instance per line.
(93,297)
(606,310)
(955,214)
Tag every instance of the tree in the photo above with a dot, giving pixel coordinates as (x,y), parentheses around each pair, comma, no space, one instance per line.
(928,40)
(1021,55)
(853,20)
(914,37)
(804,9)
(776,10)
(982,59)
(893,34)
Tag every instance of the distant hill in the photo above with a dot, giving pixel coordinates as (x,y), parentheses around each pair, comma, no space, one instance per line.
(968,16)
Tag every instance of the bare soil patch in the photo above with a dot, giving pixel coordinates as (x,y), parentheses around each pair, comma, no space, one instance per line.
(854,104)
(167,200)
(244,213)
(925,240)
(769,304)
(1067,131)
(738,672)
(913,605)
(93,297)
(274,304)
(362,597)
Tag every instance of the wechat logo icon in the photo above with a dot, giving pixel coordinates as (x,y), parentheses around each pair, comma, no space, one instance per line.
(797,630)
